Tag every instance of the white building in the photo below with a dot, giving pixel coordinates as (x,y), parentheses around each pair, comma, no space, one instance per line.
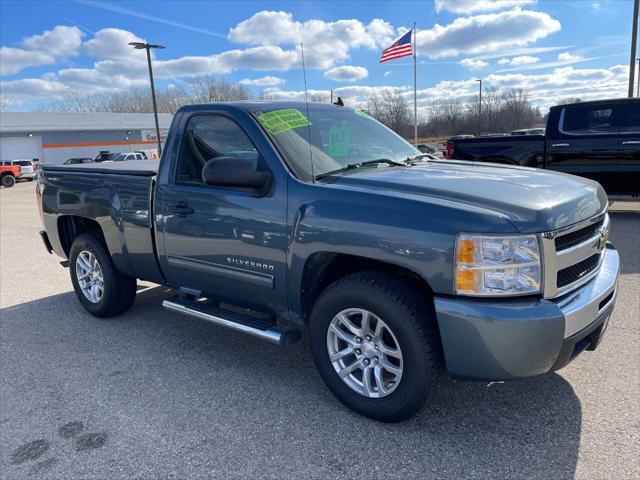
(56,137)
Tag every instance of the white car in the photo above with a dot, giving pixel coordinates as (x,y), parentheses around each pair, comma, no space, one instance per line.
(27,168)
(121,157)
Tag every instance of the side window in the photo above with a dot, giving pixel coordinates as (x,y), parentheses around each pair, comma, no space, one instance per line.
(589,119)
(630,118)
(207,137)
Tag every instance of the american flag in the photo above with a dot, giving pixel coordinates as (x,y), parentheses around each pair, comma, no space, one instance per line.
(400,48)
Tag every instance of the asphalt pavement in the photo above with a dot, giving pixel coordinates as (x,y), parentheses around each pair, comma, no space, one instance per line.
(152,394)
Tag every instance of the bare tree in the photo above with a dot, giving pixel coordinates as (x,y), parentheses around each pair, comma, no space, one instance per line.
(565,100)
(389,108)
(208,89)
(138,99)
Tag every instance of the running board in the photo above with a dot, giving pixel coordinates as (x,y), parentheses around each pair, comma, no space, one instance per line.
(256,327)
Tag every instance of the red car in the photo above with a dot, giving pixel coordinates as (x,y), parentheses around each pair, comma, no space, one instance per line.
(8,175)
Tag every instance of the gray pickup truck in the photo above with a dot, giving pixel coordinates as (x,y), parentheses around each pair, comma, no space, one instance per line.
(272,218)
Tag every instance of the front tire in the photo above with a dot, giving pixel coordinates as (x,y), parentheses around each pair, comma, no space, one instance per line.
(8,181)
(102,289)
(375,345)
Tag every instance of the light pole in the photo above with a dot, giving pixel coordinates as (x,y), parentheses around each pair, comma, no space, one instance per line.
(634,41)
(148,47)
(480,108)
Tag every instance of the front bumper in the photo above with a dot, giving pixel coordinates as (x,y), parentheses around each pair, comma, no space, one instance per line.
(521,337)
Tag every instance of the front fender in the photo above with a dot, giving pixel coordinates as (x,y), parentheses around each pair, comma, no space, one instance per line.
(416,234)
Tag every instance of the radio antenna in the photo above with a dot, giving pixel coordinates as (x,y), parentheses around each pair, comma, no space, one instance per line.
(306,101)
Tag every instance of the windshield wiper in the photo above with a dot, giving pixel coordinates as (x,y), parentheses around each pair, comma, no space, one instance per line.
(352,166)
(418,156)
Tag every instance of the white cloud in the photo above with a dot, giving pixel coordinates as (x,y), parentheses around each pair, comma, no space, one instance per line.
(524,60)
(113,43)
(569,57)
(520,60)
(473,63)
(488,32)
(543,89)
(325,43)
(472,6)
(39,50)
(346,73)
(267,81)
(59,42)
(387,73)
(19,91)
(12,60)
(563,59)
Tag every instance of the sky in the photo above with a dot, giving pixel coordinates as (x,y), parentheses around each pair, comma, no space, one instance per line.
(551,48)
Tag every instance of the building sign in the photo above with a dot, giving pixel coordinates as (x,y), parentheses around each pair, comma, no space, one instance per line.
(150,135)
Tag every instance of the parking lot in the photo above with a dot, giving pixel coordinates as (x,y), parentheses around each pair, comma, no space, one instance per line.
(152,394)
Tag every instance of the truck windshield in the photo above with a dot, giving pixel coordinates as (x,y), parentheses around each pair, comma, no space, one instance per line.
(339,136)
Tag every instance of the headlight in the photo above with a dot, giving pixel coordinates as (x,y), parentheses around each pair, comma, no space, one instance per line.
(497,265)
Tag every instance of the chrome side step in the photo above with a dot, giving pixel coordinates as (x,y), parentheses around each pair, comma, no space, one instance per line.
(241,323)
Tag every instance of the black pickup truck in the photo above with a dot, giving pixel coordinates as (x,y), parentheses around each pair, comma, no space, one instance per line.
(599,140)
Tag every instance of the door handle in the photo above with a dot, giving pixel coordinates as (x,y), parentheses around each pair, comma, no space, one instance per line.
(181,208)
(561,145)
(632,142)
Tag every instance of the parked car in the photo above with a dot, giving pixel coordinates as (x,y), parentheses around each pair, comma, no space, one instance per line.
(121,157)
(424,148)
(74,161)
(27,168)
(8,174)
(398,268)
(599,140)
(105,156)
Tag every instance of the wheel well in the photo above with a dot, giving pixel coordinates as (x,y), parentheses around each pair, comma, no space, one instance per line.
(323,268)
(4,174)
(71,226)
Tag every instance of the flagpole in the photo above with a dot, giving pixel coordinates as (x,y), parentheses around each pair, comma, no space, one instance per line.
(415,90)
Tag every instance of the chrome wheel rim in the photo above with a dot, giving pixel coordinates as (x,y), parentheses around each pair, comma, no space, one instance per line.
(89,276)
(364,352)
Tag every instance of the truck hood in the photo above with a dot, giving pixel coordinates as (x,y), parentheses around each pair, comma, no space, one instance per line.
(532,200)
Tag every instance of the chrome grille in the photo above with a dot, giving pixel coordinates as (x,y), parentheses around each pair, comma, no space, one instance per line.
(575,272)
(573,255)
(574,238)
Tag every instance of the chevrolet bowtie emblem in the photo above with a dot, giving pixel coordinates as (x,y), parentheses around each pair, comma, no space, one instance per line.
(604,236)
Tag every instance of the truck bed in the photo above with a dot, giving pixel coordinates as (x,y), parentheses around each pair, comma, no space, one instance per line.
(115,195)
(143,168)
(527,150)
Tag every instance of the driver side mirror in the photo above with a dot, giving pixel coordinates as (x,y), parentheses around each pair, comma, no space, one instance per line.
(236,172)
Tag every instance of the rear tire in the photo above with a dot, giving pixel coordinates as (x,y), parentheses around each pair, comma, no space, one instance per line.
(117,291)
(405,315)
(8,181)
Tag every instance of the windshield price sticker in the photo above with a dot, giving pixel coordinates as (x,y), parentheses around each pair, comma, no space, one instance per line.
(363,114)
(339,140)
(279,121)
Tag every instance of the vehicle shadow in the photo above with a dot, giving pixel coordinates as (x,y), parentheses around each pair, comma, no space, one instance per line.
(242,407)
(625,236)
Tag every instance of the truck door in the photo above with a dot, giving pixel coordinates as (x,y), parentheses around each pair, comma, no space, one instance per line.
(586,144)
(629,144)
(225,242)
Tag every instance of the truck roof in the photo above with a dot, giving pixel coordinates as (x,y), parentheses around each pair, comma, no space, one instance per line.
(255,105)
(607,101)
